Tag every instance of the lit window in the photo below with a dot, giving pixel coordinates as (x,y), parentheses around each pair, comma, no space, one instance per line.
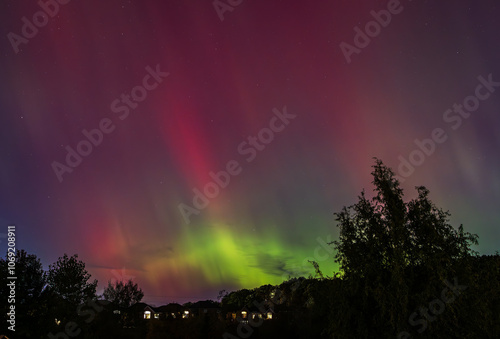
(269,315)
(157,315)
(244,314)
(186,314)
(147,314)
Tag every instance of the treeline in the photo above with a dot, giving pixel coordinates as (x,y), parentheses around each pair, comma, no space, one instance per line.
(405,272)
(463,303)
(58,303)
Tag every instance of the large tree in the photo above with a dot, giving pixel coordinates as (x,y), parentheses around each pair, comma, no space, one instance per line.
(69,279)
(123,294)
(394,255)
(30,276)
(29,300)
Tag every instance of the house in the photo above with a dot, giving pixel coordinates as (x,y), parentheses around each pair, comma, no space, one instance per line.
(151,313)
(173,311)
(170,311)
(206,307)
(252,313)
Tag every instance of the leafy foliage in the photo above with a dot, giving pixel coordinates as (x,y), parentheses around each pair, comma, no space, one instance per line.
(69,279)
(30,297)
(397,259)
(395,255)
(123,294)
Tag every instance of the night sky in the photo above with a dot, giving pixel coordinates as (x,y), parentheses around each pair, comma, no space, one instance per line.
(290,99)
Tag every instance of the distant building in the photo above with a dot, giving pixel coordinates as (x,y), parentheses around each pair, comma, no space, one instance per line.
(207,307)
(251,313)
(170,311)
(151,313)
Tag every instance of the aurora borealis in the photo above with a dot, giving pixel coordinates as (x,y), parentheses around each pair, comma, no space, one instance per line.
(164,135)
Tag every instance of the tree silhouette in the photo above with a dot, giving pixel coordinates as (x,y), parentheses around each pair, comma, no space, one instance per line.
(394,254)
(30,301)
(69,279)
(123,294)
(31,278)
